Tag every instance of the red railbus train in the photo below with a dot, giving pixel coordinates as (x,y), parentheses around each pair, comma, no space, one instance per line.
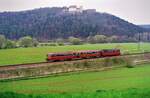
(51,57)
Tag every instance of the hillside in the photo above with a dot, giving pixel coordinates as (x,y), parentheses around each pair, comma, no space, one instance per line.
(51,23)
(147,27)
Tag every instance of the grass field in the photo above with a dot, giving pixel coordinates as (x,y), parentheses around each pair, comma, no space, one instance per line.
(30,55)
(118,79)
(128,93)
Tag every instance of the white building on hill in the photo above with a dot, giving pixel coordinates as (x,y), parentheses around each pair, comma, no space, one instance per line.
(75,10)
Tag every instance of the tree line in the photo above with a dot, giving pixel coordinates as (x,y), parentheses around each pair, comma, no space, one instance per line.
(140,37)
(26,41)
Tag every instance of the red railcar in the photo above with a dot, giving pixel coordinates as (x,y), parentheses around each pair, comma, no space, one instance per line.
(82,54)
(110,52)
(88,54)
(60,56)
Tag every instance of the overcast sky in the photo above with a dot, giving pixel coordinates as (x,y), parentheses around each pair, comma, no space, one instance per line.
(135,11)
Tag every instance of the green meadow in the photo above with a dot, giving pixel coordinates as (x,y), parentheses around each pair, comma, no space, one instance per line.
(83,82)
(128,93)
(38,54)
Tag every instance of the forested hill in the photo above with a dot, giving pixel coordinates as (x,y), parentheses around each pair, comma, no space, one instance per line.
(50,23)
(147,27)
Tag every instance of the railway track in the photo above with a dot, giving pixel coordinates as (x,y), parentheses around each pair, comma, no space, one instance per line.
(40,64)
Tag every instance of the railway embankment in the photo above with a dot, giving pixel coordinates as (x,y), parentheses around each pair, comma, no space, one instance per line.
(97,64)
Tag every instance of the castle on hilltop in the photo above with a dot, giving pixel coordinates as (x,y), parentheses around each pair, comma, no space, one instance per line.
(73,9)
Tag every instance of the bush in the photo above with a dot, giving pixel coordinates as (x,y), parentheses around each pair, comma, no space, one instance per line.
(129,63)
(129,66)
(27,41)
(45,44)
(52,44)
(100,38)
(6,43)
(86,64)
(10,44)
(48,44)
(100,91)
(108,62)
(12,95)
(74,41)
(114,61)
(91,40)
(60,43)
(118,60)
(2,41)
(35,42)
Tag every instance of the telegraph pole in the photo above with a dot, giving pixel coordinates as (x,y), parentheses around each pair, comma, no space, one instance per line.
(139,37)
(148,36)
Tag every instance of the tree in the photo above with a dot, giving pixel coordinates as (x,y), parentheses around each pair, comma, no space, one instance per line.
(2,41)
(35,42)
(60,42)
(10,44)
(91,40)
(100,38)
(26,41)
(113,39)
(74,41)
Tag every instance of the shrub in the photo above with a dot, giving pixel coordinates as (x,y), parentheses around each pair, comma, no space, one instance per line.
(86,64)
(45,44)
(28,41)
(48,44)
(74,41)
(129,63)
(99,91)
(2,41)
(118,60)
(114,61)
(108,62)
(35,42)
(129,66)
(52,44)
(100,38)
(25,41)
(10,44)
(60,43)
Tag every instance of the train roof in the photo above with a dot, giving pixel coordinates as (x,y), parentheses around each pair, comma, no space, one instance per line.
(73,51)
(110,49)
(53,53)
(81,51)
(87,50)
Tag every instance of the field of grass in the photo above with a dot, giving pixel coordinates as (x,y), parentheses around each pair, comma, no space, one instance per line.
(30,55)
(129,93)
(117,79)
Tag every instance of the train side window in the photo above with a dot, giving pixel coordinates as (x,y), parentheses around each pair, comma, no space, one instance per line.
(60,55)
(52,55)
(74,54)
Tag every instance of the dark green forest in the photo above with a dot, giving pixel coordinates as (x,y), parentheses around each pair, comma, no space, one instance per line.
(52,23)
